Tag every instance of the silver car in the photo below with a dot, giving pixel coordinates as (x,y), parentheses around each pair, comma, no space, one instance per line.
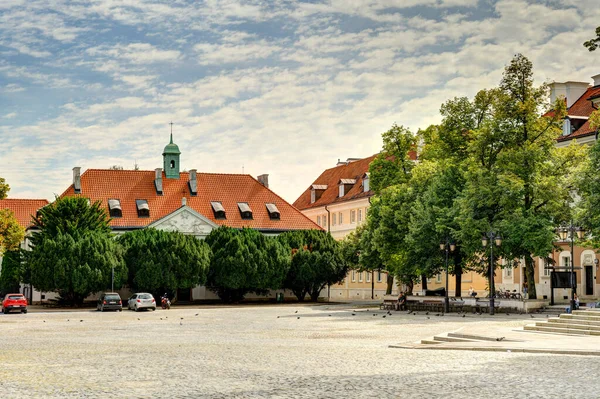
(141,300)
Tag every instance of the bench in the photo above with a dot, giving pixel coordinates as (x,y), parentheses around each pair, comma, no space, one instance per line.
(389,302)
(485,304)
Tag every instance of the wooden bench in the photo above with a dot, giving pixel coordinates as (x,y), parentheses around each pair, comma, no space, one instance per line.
(389,302)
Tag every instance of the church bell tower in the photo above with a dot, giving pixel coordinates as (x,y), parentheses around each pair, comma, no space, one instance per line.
(171,160)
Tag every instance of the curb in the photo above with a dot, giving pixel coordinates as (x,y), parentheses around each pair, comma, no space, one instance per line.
(504,349)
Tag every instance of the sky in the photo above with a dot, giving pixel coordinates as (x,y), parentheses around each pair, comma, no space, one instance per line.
(279,87)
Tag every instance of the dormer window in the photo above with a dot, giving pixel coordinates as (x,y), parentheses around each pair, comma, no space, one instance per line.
(345,185)
(316,191)
(114,208)
(218,210)
(567,127)
(273,211)
(245,210)
(143,210)
(366,182)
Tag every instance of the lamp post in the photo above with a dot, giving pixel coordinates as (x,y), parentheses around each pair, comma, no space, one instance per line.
(447,246)
(112,280)
(568,231)
(491,237)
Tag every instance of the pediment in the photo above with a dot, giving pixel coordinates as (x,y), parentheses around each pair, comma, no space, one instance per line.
(185,220)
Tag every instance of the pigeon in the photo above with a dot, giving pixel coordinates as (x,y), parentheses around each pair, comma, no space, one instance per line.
(531,316)
(508,314)
(353,314)
(81,321)
(181,318)
(68,320)
(546,317)
(374,314)
(367,310)
(499,339)
(138,318)
(329,315)
(463,315)
(161,317)
(383,316)
(196,314)
(277,316)
(298,317)
(180,323)
(44,321)
(426,313)
(296,311)
(415,313)
(409,312)
(428,317)
(166,317)
(437,314)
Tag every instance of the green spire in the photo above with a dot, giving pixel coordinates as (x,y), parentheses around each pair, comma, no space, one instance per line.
(171,160)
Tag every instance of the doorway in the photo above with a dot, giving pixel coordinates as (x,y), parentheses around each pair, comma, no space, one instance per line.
(589,280)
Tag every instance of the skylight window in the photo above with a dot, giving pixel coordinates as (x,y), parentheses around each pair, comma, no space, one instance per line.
(274,213)
(245,210)
(114,208)
(143,210)
(218,210)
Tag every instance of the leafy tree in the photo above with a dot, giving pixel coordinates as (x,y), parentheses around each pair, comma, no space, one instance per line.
(11,232)
(11,273)
(316,261)
(159,261)
(74,253)
(76,265)
(245,261)
(592,44)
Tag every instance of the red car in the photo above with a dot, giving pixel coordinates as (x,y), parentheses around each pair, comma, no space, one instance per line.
(14,302)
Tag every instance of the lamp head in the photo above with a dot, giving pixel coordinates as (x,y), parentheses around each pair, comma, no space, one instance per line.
(452,247)
(442,246)
(484,240)
(498,240)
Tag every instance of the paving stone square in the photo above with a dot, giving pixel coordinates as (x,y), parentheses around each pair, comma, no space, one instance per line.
(269,352)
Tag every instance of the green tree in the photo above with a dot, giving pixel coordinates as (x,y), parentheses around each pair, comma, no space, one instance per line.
(317,260)
(592,44)
(11,232)
(158,261)
(245,261)
(74,252)
(11,273)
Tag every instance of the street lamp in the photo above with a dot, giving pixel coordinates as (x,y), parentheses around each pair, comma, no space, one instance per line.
(568,231)
(490,238)
(447,246)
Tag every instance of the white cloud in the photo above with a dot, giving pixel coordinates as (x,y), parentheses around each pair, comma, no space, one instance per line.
(135,53)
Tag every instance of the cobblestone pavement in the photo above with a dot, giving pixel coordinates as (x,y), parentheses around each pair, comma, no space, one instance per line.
(267,351)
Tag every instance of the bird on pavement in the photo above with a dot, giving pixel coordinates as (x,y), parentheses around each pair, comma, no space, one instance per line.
(296,311)
(277,317)
(532,316)
(463,315)
(298,317)
(353,314)
(508,314)
(426,312)
(428,317)
(499,339)
(383,316)
(181,323)
(329,315)
(138,318)
(81,321)
(181,318)
(196,314)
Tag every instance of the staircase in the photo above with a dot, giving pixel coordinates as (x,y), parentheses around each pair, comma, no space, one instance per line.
(580,322)
(456,337)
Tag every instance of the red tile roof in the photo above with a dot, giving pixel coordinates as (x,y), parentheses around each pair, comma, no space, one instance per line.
(229,189)
(331,177)
(23,209)
(582,107)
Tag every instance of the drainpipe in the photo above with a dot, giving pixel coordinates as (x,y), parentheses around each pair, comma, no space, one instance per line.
(329,231)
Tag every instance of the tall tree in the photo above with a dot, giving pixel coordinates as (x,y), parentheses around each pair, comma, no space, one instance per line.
(593,43)
(11,273)
(159,261)
(74,252)
(11,232)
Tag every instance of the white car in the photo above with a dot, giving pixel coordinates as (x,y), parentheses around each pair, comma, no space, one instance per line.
(141,300)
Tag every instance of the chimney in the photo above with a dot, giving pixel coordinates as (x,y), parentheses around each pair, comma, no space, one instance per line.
(596,80)
(183,201)
(264,180)
(158,181)
(339,162)
(569,90)
(77,179)
(193,183)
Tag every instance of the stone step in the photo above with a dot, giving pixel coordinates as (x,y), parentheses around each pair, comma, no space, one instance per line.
(560,330)
(575,321)
(474,337)
(579,317)
(430,342)
(589,312)
(451,339)
(577,326)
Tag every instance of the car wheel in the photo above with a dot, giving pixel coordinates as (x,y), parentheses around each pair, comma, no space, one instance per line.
(5,311)
(24,311)
(153,309)
(136,308)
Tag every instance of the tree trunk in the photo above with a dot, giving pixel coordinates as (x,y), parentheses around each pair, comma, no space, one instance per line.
(424,282)
(372,285)
(530,275)
(390,284)
(458,277)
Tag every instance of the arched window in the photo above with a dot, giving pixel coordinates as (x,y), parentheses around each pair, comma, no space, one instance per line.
(172,164)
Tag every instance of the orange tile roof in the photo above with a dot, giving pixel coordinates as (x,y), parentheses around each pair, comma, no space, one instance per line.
(582,107)
(229,189)
(331,177)
(23,209)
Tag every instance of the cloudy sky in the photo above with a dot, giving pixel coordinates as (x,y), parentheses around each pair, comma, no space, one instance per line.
(280,87)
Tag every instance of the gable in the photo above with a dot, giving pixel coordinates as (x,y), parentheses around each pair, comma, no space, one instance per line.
(185,220)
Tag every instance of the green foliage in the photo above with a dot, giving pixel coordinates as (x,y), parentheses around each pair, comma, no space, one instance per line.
(11,232)
(317,261)
(160,261)
(12,272)
(74,253)
(592,44)
(76,265)
(4,188)
(245,261)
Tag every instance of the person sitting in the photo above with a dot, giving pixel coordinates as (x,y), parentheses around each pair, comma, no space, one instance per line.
(576,301)
(401,302)
(472,292)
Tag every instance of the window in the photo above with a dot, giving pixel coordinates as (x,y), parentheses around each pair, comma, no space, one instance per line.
(341,219)
(353,276)
(567,127)
(565,261)
(360,277)
(218,210)
(273,211)
(438,278)
(366,182)
(359,215)
(379,276)
(508,271)
(319,220)
(245,210)
(312,196)
(172,164)
(143,210)
(114,208)
(324,219)
(341,191)
(368,277)
(334,219)
(353,216)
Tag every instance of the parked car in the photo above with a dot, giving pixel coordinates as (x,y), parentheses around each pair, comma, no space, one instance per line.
(109,301)
(14,302)
(141,300)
